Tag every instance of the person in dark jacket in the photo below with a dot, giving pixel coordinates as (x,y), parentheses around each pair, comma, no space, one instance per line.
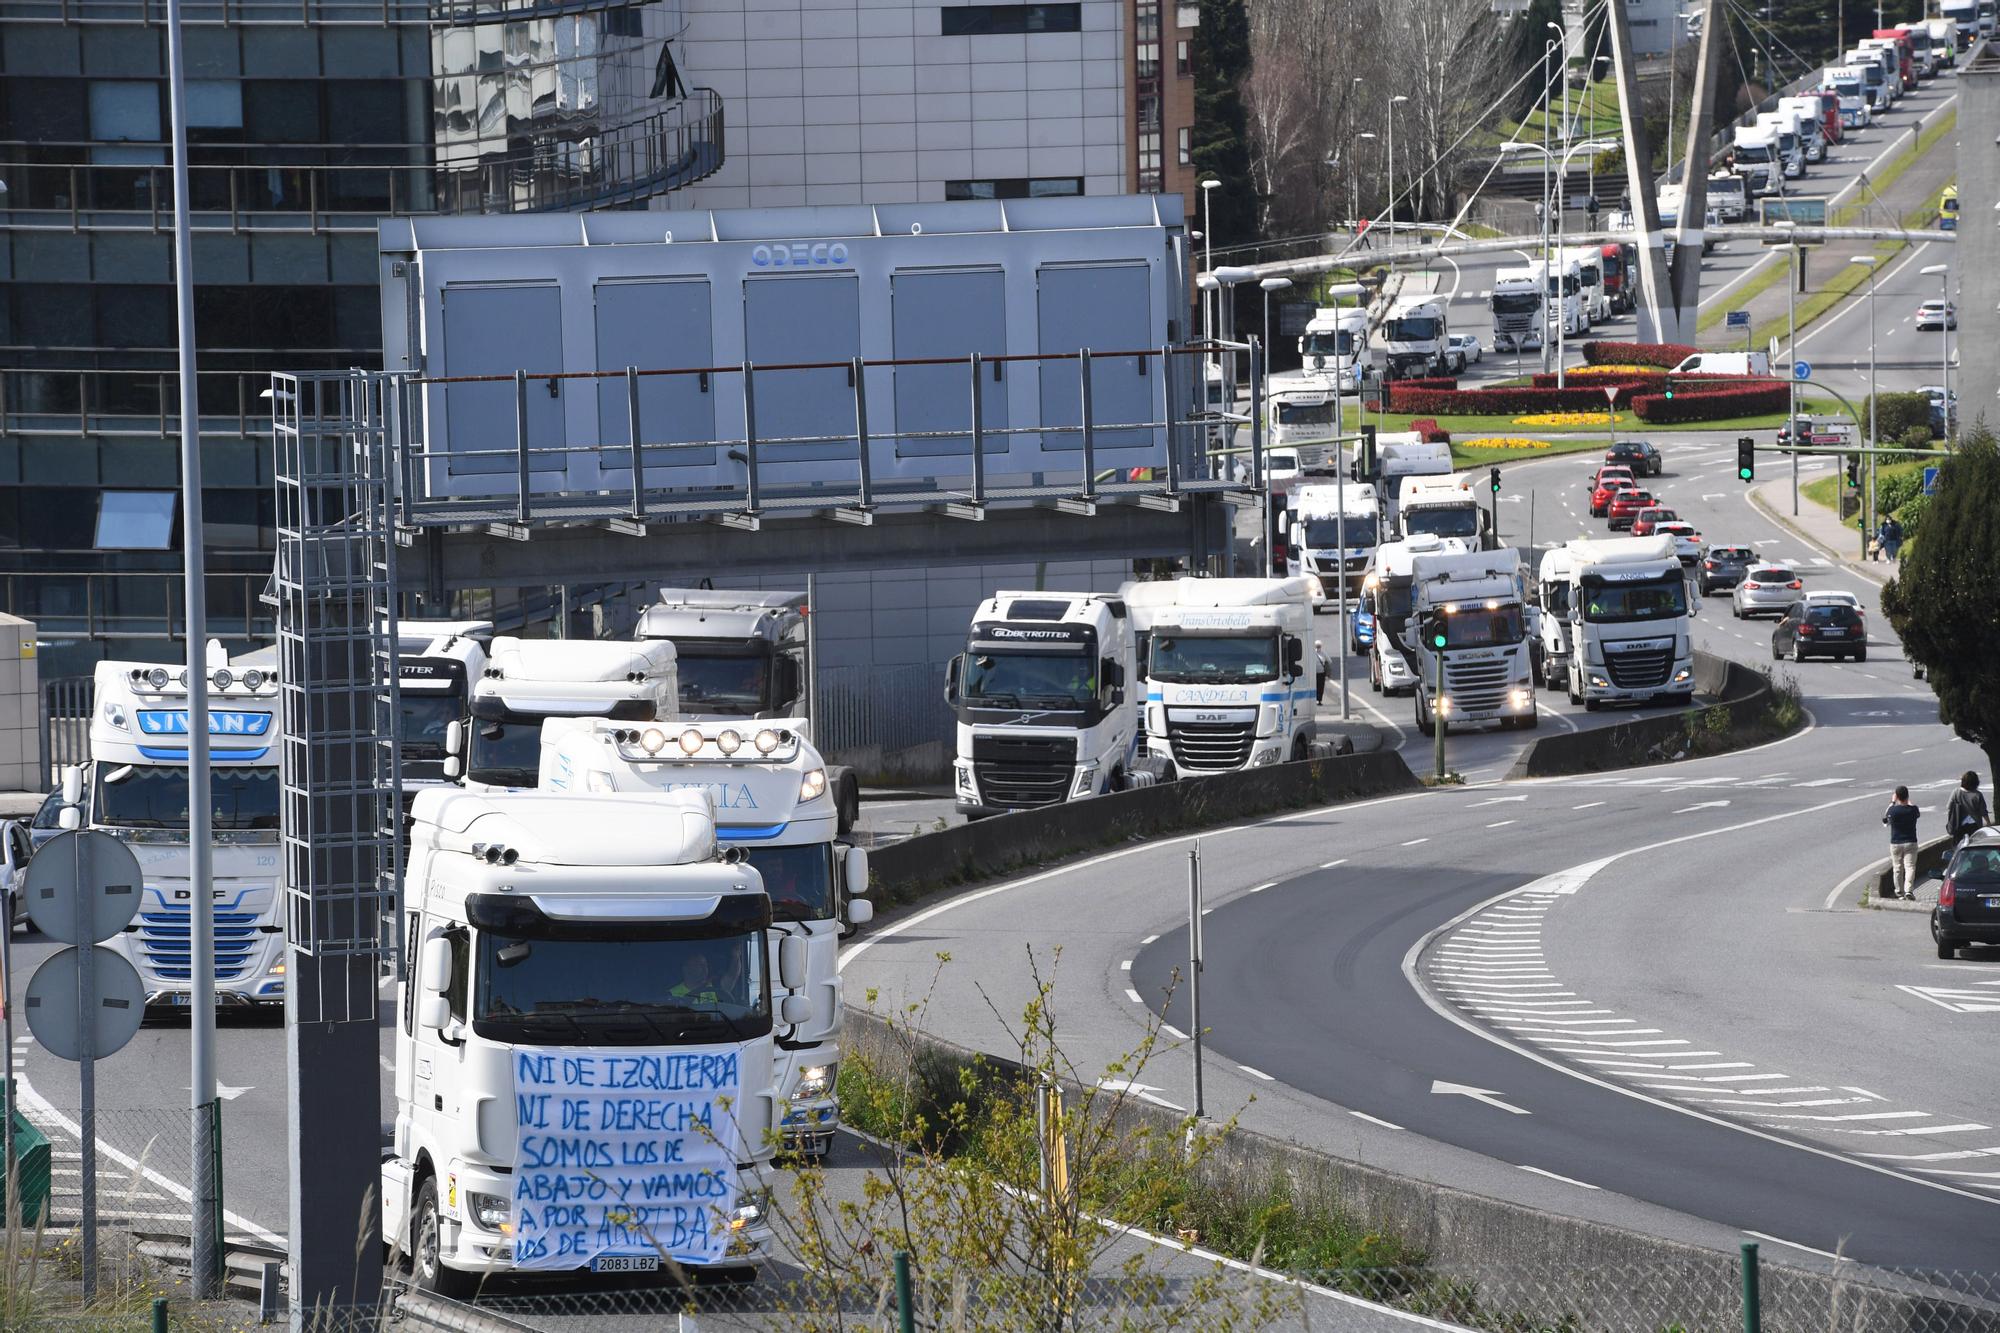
(1901,817)
(1967,811)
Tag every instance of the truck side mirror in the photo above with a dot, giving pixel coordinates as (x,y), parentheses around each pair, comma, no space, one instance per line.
(792,963)
(454,750)
(433,1012)
(952,671)
(72,785)
(794,1010)
(854,871)
(434,965)
(1295,655)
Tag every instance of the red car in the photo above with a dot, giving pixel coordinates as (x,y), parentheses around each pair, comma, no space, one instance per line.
(1625,507)
(1647,520)
(1610,481)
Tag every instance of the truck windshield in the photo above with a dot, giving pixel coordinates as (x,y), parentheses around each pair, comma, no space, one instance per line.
(1516,303)
(1608,603)
(1213,658)
(613,985)
(1415,329)
(1567,281)
(1555,598)
(1614,266)
(1444,520)
(146,796)
(1060,680)
(1483,627)
(1392,602)
(506,752)
(1753,152)
(425,717)
(1305,414)
(730,684)
(798,879)
(1339,344)
(1325,532)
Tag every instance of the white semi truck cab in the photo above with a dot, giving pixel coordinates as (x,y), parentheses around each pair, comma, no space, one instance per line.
(772,799)
(1594,296)
(1630,636)
(585,1065)
(1232,674)
(1517,309)
(1414,337)
(1048,710)
(1399,456)
(1334,532)
(1385,609)
(436,663)
(1302,411)
(1553,585)
(1335,344)
(1477,601)
(137,790)
(1753,155)
(528,681)
(1442,507)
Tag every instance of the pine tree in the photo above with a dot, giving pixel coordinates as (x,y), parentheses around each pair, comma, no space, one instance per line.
(1221,140)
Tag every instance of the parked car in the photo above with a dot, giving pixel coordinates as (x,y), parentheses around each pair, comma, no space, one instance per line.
(1687,542)
(1723,567)
(1827,630)
(1766,590)
(1625,507)
(1937,314)
(1462,350)
(1968,905)
(1650,518)
(1609,483)
(1644,459)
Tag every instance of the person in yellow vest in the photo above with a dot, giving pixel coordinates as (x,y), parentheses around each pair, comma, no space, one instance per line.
(697,983)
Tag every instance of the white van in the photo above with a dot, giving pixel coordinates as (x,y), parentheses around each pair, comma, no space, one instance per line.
(1756,364)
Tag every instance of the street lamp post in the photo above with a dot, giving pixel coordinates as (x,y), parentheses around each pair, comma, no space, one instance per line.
(1207,258)
(1339,292)
(1270,544)
(1392,164)
(1874,392)
(1354,155)
(1548,267)
(1367,136)
(1942,272)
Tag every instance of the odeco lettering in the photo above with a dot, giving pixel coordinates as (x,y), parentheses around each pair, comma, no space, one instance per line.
(800,254)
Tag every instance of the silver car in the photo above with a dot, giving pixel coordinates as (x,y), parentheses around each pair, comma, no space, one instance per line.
(1766,590)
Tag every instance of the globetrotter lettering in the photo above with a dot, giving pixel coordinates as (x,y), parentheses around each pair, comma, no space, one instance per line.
(626,1152)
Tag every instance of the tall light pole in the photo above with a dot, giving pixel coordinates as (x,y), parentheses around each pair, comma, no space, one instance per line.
(1270,546)
(1209,360)
(1336,293)
(1549,273)
(1207,256)
(1874,392)
(1354,156)
(1942,272)
(1392,164)
(1366,136)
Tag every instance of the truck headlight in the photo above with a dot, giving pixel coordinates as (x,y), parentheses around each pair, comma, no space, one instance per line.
(1443,704)
(1086,781)
(749,1210)
(1521,699)
(491,1211)
(962,778)
(1682,675)
(1265,757)
(1600,682)
(815,1081)
(812,786)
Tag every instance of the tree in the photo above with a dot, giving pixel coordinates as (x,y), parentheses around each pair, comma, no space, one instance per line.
(1944,602)
(1220,144)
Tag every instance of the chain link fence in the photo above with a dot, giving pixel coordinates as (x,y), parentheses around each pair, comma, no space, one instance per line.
(889,723)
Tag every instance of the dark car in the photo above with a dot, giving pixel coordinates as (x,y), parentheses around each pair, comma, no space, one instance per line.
(1641,457)
(1723,567)
(1968,905)
(1820,629)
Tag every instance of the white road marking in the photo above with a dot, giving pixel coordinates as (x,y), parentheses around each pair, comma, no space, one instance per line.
(1125,966)
(1794,1245)
(1173,1032)
(1553,1176)
(1256,1073)
(1149,939)
(1133,996)
(1269,884)
(1337,861)
(1374,1120)
(1485,1096)
(1587,805)
(1703,805)
(1503,823)
(1414,841)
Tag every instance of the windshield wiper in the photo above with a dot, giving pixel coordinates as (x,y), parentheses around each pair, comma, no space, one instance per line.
(995,700)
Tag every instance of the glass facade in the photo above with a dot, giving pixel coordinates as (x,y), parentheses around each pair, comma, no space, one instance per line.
(307,120)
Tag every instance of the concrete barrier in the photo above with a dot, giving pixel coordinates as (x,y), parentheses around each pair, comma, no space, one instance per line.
(1931,859)
(1529,1267)
(906,871)
(1648,737)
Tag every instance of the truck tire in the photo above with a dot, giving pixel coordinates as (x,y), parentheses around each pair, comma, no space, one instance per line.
(1531,721)
(429,1273)
(1424,722)
(846,798)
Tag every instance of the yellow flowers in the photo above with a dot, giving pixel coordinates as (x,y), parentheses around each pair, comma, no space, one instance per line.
(1503,442)
(1568,419)
(1616,370)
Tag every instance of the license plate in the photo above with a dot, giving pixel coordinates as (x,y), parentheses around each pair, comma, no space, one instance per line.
(180,999)
(1834,633)
(1993,902)
(625,1263)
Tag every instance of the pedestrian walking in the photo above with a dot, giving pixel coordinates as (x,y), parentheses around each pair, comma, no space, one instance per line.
(1967,811)
(1901,817)
(1891,536)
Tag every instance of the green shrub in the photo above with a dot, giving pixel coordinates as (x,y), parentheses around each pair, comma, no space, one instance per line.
(1896,413)
(1894,490)
(1916,437)
(1911,515)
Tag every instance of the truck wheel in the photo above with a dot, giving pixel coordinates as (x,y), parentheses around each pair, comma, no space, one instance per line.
(1531,721)
(425,1267)
(1424,721)
(1592,705)
(847,801)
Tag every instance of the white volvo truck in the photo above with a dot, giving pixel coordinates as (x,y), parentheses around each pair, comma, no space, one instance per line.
(1631,636)
(1517,308)
(585,1074)
(771,797)
(1552,586)
(528,681)
(1232,674)
(436,663)
(1478,601)
(1385,609)
(1047,698)
(745,654)
(1322,517)
(136,789)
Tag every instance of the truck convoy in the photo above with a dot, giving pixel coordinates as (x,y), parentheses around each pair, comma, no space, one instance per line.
(1414,337)
(1321,516)
(1232,673)
(1630,637)
(1385,609)
(1043,693)
(1335,343)
(1592,295)
(1477,601)
(1517,308)
(1442,507)
(770,796)
(135,787)
(585,1069)
(436,663)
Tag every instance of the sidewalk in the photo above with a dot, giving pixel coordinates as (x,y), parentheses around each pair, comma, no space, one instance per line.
(1817,526)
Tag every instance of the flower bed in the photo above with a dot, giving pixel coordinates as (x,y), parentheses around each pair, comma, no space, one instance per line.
(1512,401)
(1568,419)
(1503,442)
(1664,355)
(1429,431)
(1602,377)
(1732,398)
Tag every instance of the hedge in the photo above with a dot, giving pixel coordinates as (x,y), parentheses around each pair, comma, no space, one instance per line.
(1600,382)
(1664,355)
(1501,402)
(1896,413)
(1712,404)
(1429,431)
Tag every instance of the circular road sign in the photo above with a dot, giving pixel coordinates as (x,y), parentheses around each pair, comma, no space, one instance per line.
(94,867)
(115,1011)
(1801,370)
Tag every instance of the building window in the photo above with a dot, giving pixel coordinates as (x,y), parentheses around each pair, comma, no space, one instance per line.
(135,521)
(1149,114)
(1181,62)
(993,20)
(1152,177)
(1186,144)
(1015,187)
(1149,60)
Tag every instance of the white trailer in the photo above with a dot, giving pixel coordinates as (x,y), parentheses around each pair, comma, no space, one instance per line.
(1630,614)
(1553,585)
(1232,674)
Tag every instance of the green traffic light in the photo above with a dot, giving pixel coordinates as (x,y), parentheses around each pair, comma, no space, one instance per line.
(1437,640)
(1744,473)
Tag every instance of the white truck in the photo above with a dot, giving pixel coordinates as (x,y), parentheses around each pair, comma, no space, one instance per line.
(1631,639)
(1810,117)
(1884,88)
(135,787)
(744,654)
(1517,309)
(1727,196)
(1232,675)
(1964,18)
(1385,609)
(1320,516)
(772,798)
(1552,585)
(1944,40)
(1753,155)
(1045,693)
(585,1071)
(1477,601)
(1791,138)
(1442,507)
(1414,336)
(1302,410)
(1851,87)
(1562,284)
(436,663)
(1335,344)
(1400,456)
(528,681)
(1592,295)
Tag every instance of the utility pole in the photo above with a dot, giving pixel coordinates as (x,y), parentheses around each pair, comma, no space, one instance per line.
(1792,355)
(1194,968)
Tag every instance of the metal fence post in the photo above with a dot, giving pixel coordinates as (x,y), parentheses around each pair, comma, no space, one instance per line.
(1753,1316)
(1089,426)
(521,439)
(906,1315)
(632,431)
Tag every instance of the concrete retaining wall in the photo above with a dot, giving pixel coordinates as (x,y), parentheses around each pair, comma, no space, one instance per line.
(906,871)
(1532,1266)
(1741,690)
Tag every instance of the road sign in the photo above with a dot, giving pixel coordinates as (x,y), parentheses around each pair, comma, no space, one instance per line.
(1930,481)
(83,887)
(1801,370)
(1738,319)
(56,1017)
(1802,213)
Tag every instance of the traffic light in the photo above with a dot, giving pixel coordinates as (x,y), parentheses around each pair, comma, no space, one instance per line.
(1854,472)
(1367,460)
(1670,388)
(1746,458)
(1493,477)
(1434,629)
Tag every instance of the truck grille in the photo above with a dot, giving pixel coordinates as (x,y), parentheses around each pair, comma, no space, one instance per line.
(1639,670)
(1017,772)
(1473,686)
(165,943)
(1211,745)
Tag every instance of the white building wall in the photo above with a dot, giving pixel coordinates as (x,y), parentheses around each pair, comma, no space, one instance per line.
(863,101)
